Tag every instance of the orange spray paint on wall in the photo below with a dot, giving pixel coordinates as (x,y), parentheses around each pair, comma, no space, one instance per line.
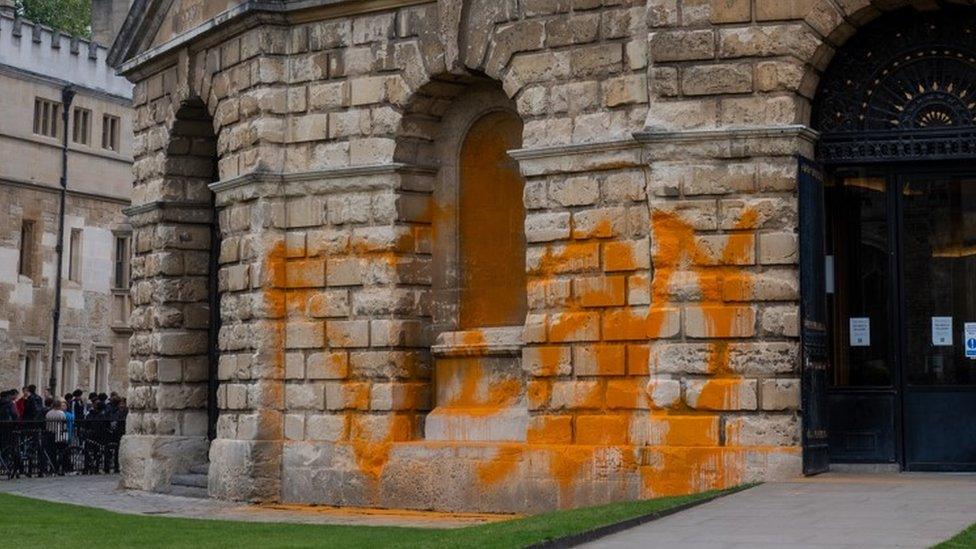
(685,462)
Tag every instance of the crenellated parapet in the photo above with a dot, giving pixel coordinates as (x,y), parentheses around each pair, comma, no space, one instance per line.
(41,50)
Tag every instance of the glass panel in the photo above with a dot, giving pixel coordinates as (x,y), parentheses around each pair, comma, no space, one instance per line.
(939,265)
(857,240)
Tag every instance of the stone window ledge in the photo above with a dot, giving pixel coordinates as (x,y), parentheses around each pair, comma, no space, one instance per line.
(496,341)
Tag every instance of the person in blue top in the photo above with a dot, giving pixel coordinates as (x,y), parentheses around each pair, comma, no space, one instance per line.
(69,417)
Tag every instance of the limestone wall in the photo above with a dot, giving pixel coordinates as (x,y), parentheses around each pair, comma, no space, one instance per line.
(87,307)
(659,354)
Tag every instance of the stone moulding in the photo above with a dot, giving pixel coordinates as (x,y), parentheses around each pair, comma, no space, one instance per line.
(169,211)
(326,181)
(146,17)
(33,185)
(623,153)
(729,142)
(502,341)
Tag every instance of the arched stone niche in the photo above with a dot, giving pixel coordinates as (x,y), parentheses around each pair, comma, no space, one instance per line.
(463,128)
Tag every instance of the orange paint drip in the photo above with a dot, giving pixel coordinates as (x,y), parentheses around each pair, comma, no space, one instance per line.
(690,458)
(372,450)
(503,464)
(371,456)
(684,470)
(566,462)
(677,469)
(472,401)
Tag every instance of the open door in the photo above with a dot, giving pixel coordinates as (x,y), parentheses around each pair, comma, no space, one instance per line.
(813,333)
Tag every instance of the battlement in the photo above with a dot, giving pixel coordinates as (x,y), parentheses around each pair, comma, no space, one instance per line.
(41,50)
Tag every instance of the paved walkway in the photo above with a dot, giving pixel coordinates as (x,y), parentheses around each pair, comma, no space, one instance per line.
(102,492)
(832,510)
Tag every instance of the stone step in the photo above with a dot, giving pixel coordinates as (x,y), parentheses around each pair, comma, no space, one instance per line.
(199,481)
(188,491)
(200,469)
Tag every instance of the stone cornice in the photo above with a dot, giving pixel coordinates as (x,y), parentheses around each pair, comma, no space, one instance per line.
(567,150)
(357,175)
(146,16)
(494,341)
(723,134)
(165,205)
(786,140)
(606,155)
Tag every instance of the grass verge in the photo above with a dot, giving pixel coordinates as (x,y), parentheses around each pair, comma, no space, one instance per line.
(48,524)
(963,540)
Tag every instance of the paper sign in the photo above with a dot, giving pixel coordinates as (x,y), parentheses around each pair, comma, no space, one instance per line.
(970,339)
(942,331)
(860,332)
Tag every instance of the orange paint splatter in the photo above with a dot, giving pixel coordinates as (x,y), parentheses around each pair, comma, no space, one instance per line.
(605,411)
(503,464)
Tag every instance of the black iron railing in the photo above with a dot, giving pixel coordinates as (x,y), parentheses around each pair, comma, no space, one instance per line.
(45,448)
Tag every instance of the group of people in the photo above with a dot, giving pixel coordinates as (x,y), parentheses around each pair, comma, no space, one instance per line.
(27,405)
(57,435)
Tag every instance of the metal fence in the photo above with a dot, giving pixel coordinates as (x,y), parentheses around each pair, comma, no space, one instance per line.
(44,448)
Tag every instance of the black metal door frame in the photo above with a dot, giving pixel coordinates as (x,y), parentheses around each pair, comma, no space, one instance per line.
(895,175)
(813,330)
(896,322)
(946,168)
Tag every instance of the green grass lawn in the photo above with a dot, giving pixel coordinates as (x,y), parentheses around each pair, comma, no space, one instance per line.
(45,524)
(964,539)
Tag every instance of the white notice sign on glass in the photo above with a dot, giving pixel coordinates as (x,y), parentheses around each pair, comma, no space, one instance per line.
(860,332)
(942,331)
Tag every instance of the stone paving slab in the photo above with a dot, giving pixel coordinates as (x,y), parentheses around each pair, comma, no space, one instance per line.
(103,492)
(828,511)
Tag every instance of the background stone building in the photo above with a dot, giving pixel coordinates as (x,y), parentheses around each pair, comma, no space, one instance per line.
(481,255)
(36,65)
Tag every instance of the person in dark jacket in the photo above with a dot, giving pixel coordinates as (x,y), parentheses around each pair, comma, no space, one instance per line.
(8,410)
(34,406)
(78,407)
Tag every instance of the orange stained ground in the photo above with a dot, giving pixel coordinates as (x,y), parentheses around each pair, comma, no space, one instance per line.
(491,233)
(406,516)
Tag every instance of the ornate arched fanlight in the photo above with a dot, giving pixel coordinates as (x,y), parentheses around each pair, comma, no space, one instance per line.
(904,88)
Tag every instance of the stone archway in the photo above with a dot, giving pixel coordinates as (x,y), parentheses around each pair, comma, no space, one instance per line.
(174,355)
(896,116)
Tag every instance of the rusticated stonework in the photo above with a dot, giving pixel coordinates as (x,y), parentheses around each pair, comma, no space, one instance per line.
(655,350)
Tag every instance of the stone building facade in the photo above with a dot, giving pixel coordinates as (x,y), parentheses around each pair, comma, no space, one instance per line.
(36,65)
(394,328)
